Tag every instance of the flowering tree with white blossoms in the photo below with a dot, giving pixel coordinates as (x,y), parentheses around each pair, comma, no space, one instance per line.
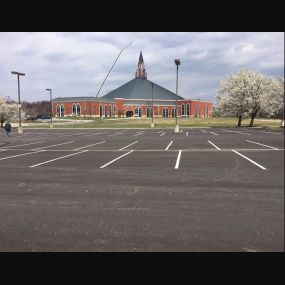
(273,101)
(7,110)
(246,93)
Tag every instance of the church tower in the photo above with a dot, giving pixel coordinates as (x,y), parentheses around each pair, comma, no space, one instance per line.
(141,68)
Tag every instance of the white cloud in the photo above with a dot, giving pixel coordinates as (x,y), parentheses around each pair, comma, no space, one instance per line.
(75,64)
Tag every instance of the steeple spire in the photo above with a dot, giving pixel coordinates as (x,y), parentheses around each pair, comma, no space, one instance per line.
(141,72)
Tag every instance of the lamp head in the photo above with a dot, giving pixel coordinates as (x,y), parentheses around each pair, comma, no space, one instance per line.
(177,61)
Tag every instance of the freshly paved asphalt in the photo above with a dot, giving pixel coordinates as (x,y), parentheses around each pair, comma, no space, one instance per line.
(215,201)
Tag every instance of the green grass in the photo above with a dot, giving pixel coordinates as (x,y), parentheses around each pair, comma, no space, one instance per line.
(169,122)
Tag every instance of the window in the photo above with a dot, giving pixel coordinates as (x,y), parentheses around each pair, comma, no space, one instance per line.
(173,112)
(138,112)
(58,110)
(106,111)
(101,111)
(110,110)
(183,110)
(74,109)
(114,110)
(61,111)
(165,112)
(149,112)
(188,110)
(78,110)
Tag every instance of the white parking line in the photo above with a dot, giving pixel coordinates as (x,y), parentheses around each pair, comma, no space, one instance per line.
(214,133)
(263,144)
(162,134)
(116,134)
(214,145)
(260,166)
(203,131)
(20,155)
(128,145)
(180,131)
(236,132)
(57,158)
(187,134)
(270,132)
(178,160)
(52,145)
(169,145)
(25,144)
(159,132)
(89,145)
(116,159)
(138,134)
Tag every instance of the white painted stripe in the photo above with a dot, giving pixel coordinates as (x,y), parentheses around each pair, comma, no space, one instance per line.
(270,133)
(89,145)
(162,134)
(116,134)
(52,145)
(180,131)
(35,165)
(260,166)
(25,144)
(116,159)
(159,132)
(203,131)
(214,145)
(138,134)
(178,160)
(187,134)
(262,144)
(169,145)
(237,132)
(214,133)
(20,155)
(128,145)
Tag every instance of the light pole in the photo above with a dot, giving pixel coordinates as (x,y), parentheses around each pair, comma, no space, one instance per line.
(50,94)
(177,62)
(20,129)
(152,124)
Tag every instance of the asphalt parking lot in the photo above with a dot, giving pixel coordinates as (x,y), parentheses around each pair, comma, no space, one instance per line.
(142,190)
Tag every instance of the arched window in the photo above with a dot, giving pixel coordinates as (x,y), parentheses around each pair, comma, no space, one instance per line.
(114,110)
(78,110)
(140,112)
(61,111)
(110,110)
(106,111)
(165,112)
(136,112)
(173,112)
(74,109)
(58,110)
(183,110)
(188,110)
(101,111)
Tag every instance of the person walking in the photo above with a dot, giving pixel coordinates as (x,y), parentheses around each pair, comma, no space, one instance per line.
(8,129)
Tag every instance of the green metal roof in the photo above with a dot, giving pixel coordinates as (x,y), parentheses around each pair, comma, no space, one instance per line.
(140,88)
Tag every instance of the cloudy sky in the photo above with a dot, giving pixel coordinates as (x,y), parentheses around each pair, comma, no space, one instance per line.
(75,64)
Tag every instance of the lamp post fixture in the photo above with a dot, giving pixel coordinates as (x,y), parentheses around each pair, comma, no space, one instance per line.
(20,129)
(177,62)
(152,124)
(50,94)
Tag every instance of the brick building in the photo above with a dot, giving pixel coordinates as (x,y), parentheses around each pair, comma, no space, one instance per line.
(136,98)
